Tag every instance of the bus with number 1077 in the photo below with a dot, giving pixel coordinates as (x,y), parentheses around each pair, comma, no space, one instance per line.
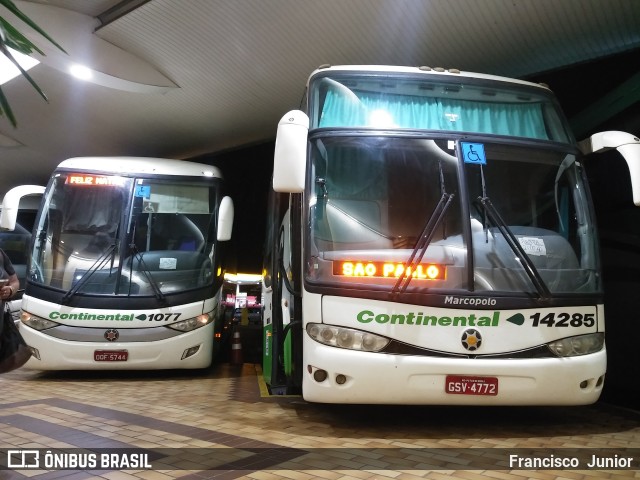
(431,240)
(126,265)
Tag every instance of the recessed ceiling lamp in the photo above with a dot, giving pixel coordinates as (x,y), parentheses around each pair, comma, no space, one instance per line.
(9,71)
(88,56)
(81,72)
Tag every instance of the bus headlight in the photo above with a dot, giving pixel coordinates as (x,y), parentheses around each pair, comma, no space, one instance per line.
(192,323)
(578,345)
(35,322)
(346,337)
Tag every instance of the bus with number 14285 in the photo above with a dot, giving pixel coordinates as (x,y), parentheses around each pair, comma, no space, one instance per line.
(431,240)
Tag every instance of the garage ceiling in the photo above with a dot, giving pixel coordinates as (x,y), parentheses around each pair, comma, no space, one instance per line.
(200,76)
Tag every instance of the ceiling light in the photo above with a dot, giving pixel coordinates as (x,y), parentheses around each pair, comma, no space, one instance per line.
(108,65)
(9,71)
(81,72)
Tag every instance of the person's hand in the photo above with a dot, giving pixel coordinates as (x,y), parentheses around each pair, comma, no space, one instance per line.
(7,292)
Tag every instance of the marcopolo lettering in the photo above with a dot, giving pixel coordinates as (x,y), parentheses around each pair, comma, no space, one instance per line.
(90,316)
(412,318)
(451,300)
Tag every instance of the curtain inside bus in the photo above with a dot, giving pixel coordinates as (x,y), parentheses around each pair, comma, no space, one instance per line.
(430,113)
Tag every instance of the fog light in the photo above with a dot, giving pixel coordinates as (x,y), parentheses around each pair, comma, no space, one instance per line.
(600,381)
(35,352)
(584,383)
(190,352)
(320,376)
(341,379)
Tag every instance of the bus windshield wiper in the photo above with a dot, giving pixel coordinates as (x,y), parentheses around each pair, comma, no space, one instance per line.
(425,238)
(142,267)
(100,262)
(512,241)
(495,218)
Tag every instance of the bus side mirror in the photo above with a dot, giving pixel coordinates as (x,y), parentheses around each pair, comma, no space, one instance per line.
(11,204)
(225,219)
(628,146)
(290,157)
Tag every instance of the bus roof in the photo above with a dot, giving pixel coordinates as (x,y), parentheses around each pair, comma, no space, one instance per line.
(140,165)
(435,71)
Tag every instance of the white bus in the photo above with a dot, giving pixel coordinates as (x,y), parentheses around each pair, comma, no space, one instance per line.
(125,268)
(431,240)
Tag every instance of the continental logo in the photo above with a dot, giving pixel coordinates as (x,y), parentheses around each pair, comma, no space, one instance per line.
(419,318)
(122,317)
(90,316)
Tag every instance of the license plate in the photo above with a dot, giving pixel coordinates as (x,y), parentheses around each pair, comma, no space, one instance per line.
(466,385)
(110,355)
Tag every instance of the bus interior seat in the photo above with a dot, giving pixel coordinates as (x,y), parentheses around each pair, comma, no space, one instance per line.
(174,231)
(351,224)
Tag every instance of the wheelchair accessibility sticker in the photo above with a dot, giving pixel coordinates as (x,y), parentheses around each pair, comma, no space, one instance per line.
(474,153)
(143,191)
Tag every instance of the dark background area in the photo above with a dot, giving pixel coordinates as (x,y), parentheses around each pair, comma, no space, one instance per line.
(247,174)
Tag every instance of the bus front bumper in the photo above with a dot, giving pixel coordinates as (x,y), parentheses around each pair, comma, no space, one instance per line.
(374,378)
(57,354)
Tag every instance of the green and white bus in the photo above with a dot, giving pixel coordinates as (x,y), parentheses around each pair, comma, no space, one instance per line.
(125,267)
(431,240)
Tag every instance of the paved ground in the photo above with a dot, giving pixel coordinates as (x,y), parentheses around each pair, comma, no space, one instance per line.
(221,423)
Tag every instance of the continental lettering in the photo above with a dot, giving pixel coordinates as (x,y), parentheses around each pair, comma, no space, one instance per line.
(91,316)
(419,318)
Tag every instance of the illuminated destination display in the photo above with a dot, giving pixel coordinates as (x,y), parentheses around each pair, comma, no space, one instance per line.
(422,271)
(92,180)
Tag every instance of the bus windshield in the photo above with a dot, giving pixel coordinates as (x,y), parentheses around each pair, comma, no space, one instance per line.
(417,214)
(112,235)
(454,105)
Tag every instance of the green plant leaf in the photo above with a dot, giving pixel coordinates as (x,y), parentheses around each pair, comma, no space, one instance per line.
(7,53)
(5,108)
(10,37)
(9,5)
(14,39)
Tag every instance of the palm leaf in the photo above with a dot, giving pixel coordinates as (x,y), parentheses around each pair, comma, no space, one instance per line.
(5,108)
(10,37)
(7,53)
(9,5)
(14,39)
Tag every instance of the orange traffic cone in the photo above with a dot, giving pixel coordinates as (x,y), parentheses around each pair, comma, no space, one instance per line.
(236,349)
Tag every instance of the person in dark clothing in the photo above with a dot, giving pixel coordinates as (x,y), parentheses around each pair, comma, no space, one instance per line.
(9,283)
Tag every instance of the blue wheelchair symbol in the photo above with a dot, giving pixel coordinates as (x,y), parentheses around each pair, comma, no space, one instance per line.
(474,153)
(143,191)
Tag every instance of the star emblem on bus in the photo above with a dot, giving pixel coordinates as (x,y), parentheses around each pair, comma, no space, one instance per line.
(471,339)
(111,335)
